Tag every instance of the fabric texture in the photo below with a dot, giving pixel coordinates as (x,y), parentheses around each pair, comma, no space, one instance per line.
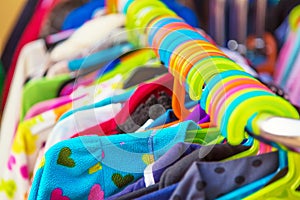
(47,105)
(172,156)
(209,153)
(176,155)
(152,108)
(53,23)
(209,180)
(88,37)
(2,77)
(33,134)
(79,121)
(31,59)
(216,179)
(35,89)
(166,118)
(30,137)
(140,95)
(72,168)
(138,193)
(162,194)
(30,34)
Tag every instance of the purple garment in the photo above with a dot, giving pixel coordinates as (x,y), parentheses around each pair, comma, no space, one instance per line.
(172,156)
(162,194)
(198,115)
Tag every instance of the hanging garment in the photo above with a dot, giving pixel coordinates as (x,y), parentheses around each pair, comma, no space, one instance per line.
(153,172)
(94,158)
(29,138)
(31,60)
(209,180)
(31,33)
(24,153)
(88,37)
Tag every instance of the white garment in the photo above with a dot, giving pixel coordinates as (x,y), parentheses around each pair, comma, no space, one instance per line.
(31,63)
(143,128)
(98,92)
(90,35)
(87,118)
(116,36)
(58,68)
(80,121)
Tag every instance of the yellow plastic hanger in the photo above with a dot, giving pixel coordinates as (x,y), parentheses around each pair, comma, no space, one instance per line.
(286,187)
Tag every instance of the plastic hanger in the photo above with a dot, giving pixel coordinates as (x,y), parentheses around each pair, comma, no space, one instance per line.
(132,60)
(114,99)
(141,94)
(204,136)
(252,187)
(255,148)
(286,187)
(264,96)
(99,57)
(256,185)
(114,63)
(143,74)
(178,100)
(263,123)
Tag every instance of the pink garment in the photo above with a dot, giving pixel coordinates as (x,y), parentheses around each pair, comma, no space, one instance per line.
(30,33)
(293,87)
(293,79)
(81,81)
(47,105)
(283,57)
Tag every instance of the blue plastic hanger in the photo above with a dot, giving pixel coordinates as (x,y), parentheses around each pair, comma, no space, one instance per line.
(255,186)
(100,57)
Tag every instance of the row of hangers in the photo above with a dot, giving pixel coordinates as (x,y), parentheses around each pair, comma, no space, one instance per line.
(233,99)
(228,92)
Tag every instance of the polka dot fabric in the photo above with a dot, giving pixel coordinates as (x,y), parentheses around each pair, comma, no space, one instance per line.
(209,180)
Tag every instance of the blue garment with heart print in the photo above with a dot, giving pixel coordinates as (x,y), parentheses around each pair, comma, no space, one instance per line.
(94,167)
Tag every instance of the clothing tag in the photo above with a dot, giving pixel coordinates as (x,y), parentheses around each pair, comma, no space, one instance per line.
(148,175)
(143,128)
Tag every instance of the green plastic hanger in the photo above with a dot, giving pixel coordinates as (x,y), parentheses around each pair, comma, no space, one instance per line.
(204,136)
(254,149)
(130,62)
(286,187)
